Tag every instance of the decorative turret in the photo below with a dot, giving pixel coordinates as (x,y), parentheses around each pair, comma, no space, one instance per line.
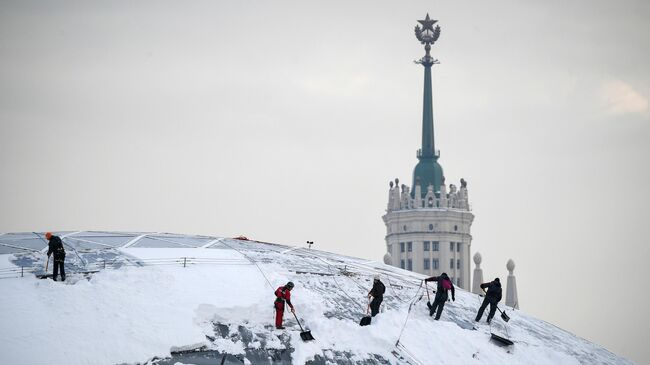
(428,224)
(511,290)
(428,171)
(478,275)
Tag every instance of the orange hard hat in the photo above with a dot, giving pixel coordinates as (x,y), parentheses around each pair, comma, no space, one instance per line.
(48,235)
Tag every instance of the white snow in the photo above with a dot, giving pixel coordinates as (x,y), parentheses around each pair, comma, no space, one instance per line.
(132,314)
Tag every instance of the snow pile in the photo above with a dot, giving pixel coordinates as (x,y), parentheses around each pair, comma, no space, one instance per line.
(136,314)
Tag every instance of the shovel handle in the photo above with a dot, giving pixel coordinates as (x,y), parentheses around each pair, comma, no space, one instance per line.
(47,263)
(294,315)
(427,287)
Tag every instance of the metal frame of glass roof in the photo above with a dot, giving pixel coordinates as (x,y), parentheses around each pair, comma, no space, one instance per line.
(35,241)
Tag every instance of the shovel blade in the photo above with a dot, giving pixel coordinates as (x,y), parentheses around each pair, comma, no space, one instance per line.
(504,316)
(502,341)
(306,336)
(365,321)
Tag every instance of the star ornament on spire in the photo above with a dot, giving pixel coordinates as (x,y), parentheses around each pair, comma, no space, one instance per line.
(427,23)
(427,34)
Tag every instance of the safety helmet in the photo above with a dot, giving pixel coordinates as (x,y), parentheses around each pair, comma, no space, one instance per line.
(48,235)
(289,285)
(376,277)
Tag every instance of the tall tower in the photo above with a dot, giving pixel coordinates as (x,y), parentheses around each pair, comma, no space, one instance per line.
(428,227)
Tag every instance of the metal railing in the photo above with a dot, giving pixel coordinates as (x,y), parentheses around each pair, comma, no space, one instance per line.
(13,272)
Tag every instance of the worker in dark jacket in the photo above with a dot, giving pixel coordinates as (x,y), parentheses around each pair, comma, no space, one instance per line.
(444,285)
(492,296)
(55,246)
(282,295)
(377,294)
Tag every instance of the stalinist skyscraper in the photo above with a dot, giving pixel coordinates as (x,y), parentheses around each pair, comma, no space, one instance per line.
(428,226)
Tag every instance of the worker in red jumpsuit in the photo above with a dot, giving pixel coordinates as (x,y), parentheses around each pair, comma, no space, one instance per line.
(282,294)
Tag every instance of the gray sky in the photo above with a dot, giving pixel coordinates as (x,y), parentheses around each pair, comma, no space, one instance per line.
(284,121)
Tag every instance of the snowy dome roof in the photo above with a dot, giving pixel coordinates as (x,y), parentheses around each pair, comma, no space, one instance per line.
(161,298)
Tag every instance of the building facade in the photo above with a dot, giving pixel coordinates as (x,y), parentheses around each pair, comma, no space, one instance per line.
(428,225)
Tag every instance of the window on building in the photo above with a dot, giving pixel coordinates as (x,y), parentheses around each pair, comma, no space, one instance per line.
(435,246)
(425,246)
(451,263)
(451,246)
(426,264)
(434,264)
(404,228)
(458,281)
(401,264)
(430,227)
(455,228)
(409,246)
(457,246)
(458,264)
(410,264)
(401,247)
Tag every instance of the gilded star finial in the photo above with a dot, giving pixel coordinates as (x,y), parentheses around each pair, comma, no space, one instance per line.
(427,23)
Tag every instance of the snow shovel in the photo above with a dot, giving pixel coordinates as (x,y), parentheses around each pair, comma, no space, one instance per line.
(365,320)
(428,297)
(504,316)
(305,335)
(501,340)
(46,264)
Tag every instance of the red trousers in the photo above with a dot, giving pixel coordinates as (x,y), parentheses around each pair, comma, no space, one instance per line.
(279,313)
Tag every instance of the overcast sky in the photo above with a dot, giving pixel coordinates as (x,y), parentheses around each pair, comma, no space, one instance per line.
(284,121)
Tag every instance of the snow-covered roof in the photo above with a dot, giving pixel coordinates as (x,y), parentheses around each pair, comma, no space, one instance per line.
(167,298)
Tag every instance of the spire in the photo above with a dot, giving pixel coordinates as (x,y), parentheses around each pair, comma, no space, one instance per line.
(427,171)
(428,142)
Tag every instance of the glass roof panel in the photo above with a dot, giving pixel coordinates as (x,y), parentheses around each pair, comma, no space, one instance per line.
(82,243)
(113,240)
(32,243)
(7,250)
(185,240)
(149,242)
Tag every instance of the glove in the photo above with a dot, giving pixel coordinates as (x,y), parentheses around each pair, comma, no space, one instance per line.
(293,311)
